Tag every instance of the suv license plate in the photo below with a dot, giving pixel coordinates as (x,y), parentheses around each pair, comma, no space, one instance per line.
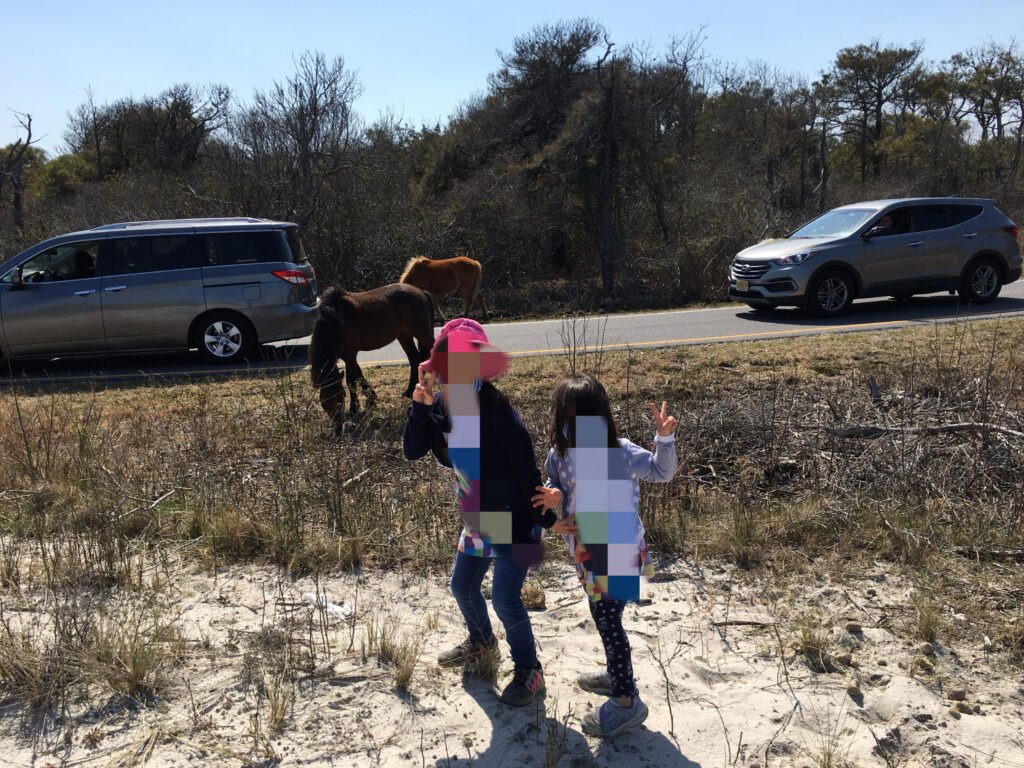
(742,285)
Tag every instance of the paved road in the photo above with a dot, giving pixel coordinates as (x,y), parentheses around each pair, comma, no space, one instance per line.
(678,327)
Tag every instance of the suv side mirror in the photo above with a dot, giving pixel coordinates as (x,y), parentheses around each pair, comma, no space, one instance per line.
(877,232)
(16,283)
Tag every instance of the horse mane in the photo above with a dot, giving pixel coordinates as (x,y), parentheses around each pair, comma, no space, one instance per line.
(411,263)
(325,341)
(330,302)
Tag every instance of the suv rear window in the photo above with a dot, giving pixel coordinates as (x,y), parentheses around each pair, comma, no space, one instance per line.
(247,248)
(942,216)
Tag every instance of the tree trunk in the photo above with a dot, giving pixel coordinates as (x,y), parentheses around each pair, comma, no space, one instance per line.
(608,187)
(16,202)
(606,210)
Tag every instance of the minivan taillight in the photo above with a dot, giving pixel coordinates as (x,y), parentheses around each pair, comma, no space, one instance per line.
(1011,231)
(292,276)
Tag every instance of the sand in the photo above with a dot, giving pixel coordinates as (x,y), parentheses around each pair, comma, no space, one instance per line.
(712,650)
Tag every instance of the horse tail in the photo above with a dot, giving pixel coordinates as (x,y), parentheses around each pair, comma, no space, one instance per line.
(325,343)
(478,275)
(408,267)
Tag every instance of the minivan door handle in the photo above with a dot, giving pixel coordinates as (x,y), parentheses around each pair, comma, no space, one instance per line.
(969,235)
(115,288)
(912,245)
(86,292)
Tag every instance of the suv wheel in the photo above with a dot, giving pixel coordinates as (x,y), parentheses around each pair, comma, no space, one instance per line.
(830,294)
(981,282)
(223,337)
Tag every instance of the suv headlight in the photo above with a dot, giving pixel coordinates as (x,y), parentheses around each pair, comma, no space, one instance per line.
(796,258)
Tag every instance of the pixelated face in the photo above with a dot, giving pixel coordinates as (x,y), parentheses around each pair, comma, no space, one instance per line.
(604,503)
(468,365)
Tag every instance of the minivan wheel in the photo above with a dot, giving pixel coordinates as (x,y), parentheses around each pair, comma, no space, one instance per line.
(981,282)
(830,294)
(222,337)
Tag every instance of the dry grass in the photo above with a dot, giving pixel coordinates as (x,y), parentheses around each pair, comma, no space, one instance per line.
(928,619)
(105,490)
(393,646)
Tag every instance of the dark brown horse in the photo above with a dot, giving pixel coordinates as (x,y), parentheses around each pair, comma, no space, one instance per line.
(348,323)
(443,276)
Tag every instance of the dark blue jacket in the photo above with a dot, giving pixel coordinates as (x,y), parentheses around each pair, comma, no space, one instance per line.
(508,467)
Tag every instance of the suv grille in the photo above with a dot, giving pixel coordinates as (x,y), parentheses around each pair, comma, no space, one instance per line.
(749,270)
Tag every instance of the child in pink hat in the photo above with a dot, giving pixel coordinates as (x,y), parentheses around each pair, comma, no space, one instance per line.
(469,425)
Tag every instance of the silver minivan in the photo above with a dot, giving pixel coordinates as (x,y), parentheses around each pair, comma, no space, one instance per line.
(892,248)
(222,286)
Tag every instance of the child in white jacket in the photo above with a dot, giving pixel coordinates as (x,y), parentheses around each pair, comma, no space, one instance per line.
(595,475)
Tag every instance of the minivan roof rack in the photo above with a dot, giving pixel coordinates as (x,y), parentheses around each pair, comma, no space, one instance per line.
(179,222)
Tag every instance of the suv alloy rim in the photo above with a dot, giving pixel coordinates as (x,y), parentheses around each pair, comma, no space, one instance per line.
(222,339)
(983,281)
(832,294)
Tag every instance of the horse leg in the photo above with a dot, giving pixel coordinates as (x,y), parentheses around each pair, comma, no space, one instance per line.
(414,360)
(352,374)
(358,378)
(437,309)
(483,305)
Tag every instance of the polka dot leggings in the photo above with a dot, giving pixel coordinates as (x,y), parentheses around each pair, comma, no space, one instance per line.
(608,617)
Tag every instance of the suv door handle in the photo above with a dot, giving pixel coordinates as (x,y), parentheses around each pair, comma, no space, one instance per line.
(918,242)
(86,292)
(115,287)
(969,235)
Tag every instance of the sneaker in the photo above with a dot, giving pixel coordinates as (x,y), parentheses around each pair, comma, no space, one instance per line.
(526,683)
(613,718)
(467,652)
(596,682)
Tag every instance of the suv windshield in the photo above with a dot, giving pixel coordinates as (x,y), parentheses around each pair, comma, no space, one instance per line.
(841,222)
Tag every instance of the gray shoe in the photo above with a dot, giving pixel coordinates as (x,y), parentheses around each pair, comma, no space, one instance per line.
(596,682)
(526,683)
(613,718)
(467,652)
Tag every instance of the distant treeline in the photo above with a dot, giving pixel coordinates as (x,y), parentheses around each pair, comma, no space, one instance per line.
(588,173)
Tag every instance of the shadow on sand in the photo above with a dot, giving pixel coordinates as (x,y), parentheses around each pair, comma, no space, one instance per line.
(528,736)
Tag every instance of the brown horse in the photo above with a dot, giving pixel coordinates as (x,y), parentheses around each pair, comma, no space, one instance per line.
(443,276)
(348,323)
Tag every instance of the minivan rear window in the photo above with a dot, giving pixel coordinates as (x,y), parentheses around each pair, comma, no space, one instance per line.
(295,244)
(130,255)
(246,248)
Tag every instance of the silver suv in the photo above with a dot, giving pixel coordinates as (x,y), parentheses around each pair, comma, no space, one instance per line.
(222,286)
(892,248)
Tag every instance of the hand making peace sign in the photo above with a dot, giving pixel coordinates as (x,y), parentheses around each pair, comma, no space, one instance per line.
(424,391)
(665,424)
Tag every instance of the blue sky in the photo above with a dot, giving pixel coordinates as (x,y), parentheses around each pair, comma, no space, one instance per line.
(418,59)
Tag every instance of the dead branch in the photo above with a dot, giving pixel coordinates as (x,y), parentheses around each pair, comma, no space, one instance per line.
(994,553)
(970,426)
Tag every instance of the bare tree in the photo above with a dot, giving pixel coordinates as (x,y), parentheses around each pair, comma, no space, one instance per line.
(300,133)
(14,159)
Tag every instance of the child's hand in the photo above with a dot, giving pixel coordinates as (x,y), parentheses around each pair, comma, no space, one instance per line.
(565,525)
(547,498)
(665,424)
(424,391)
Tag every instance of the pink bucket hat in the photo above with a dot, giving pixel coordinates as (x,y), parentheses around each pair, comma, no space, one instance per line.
(478,358)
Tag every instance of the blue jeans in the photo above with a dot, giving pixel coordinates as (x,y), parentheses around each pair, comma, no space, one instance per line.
(467,576)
